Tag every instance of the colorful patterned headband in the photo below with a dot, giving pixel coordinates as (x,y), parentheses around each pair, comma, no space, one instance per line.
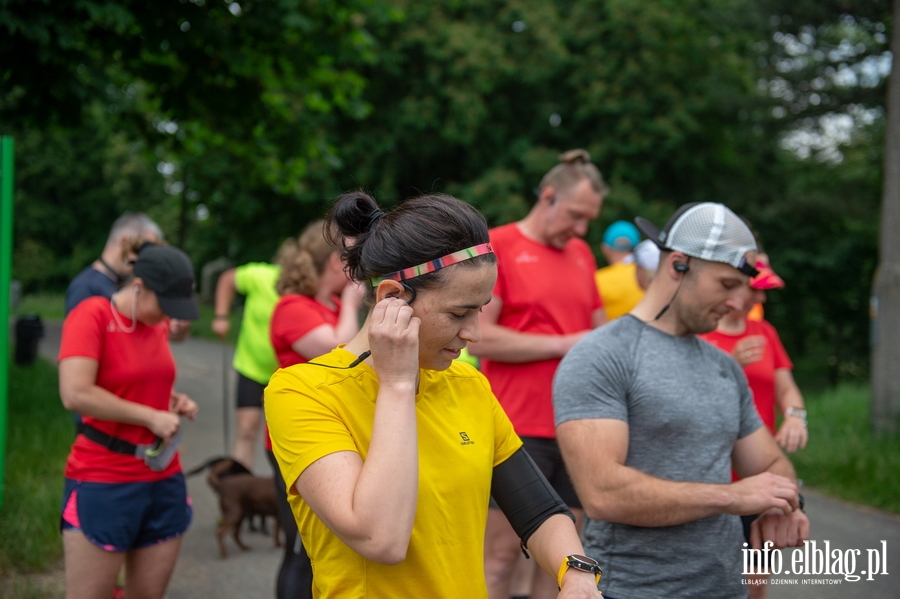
(433,265)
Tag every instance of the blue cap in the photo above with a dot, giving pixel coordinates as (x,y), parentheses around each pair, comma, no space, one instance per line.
(622,236)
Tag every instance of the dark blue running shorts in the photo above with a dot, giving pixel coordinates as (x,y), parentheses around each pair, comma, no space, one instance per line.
(125,516)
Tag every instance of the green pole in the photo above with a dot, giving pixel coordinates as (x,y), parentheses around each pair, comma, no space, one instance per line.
(7,151)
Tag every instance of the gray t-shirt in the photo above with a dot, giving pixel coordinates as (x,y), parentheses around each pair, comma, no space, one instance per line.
(686,403)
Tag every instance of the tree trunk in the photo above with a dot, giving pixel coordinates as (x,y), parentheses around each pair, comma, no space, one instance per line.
(886,342)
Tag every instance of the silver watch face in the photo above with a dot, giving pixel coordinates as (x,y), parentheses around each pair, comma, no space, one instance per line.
(584,563)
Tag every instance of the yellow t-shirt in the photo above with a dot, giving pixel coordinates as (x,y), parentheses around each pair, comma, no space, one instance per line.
(619,289)
(314,411)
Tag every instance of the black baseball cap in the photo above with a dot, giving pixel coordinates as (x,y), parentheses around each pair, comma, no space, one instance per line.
(168,272)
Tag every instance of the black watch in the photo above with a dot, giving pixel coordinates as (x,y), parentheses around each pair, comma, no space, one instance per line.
(579,562)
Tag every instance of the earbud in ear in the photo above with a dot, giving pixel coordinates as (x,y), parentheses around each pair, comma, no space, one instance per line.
(552,200)
(681,267)
(137,288)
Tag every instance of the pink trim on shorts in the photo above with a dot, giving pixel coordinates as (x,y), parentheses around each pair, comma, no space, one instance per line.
(70,514)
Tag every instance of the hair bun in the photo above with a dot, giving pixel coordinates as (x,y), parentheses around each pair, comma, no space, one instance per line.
(575,157)
(354,213)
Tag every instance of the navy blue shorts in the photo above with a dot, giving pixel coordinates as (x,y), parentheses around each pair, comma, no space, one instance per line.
(125,516)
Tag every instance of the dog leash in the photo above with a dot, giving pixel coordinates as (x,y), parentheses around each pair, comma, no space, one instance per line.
(226,370)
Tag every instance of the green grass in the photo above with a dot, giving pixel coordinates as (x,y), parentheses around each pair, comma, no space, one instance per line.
(24,588)
(844,457)
(50,306)
(39,436)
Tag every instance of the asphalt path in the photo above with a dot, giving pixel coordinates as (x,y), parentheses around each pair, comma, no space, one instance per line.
(201,573)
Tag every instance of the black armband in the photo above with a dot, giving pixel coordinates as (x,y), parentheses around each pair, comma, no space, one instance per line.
(524,495)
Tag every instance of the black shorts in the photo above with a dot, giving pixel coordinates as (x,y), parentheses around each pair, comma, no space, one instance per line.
(249,393)
(546,454)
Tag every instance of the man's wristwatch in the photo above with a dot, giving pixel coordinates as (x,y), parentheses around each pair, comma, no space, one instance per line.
(578,562)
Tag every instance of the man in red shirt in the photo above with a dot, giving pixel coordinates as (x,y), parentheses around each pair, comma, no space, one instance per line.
(544,301)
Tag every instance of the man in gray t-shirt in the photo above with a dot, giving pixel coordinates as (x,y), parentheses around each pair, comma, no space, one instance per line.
(651,422)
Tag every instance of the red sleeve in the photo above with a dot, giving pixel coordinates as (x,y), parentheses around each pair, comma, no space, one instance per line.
(292,319)
(781,357)
(82,332)
(597,300)
(498,244)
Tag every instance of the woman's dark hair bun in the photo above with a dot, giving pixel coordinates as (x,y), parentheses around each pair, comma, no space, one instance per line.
(354,213)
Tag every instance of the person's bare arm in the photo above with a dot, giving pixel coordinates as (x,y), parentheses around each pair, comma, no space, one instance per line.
(599,318)
(80,393)
(793,433)
(555,539)
(595,451)
(758,455)
(178,330)
(225,292)
(371,505)
(504,344)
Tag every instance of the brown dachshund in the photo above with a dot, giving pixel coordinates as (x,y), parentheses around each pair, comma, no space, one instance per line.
(241,494)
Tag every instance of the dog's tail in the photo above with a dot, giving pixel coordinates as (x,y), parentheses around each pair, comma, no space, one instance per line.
(207,464)
(234,467)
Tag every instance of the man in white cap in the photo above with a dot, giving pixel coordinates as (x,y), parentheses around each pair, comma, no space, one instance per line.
(651,421)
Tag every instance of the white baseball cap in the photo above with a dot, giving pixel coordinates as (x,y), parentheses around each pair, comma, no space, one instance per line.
(705,230)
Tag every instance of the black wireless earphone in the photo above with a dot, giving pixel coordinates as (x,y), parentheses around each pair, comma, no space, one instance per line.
(552,200)
(681,267)
(410,290)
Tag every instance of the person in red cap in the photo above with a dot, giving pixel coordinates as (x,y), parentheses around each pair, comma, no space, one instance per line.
(756,347)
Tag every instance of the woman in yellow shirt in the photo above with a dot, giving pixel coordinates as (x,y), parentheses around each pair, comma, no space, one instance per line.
(391,447)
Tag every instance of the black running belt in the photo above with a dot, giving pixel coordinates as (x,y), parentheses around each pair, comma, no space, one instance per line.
(113,444)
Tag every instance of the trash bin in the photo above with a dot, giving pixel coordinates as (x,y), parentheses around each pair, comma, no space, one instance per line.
(29,330)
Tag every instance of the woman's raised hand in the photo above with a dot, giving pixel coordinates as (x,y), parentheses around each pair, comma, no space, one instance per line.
(353,294)
(394,341)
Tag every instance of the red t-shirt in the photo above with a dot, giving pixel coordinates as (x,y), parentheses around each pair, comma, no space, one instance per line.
(761,374)
(137,367)
(294,316)
(545,291)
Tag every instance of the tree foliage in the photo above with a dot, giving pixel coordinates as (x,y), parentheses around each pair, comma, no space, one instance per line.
(255,114)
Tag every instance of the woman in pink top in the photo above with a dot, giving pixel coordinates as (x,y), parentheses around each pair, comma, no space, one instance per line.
(318,310)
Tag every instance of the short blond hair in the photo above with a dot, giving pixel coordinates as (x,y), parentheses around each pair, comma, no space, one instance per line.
(303,260)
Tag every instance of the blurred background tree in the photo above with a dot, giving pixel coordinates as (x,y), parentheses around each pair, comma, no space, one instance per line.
(233,124)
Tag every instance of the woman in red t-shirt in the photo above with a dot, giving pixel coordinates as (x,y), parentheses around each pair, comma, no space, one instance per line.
(125,499)
(309,320)
(755,345)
